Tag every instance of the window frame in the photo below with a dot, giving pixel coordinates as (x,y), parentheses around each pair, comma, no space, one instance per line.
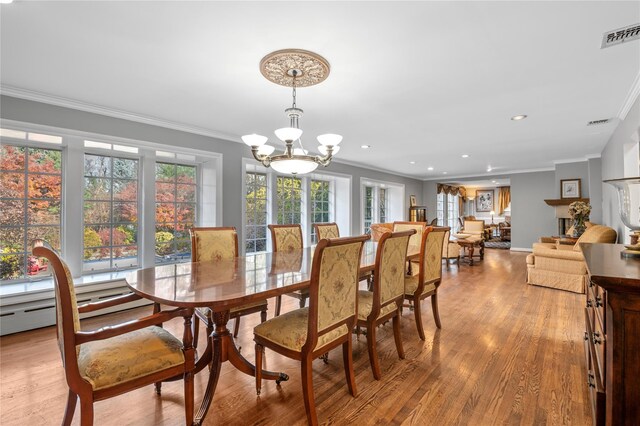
(245,224)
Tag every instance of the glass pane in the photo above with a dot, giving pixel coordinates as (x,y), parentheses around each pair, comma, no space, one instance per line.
(125,235)
(11,265)
(261,179)
(164,249)
(165,212)
(11,185)
(125,168)
(125,190)
(165,172)
(187,193)
(97,212)
(97,188)
(96,259)
(185,213)
(97,165)
(50,234)
(249,179)
(11,212)
(12,157)
(165,192)
(43,212)
(250,246)
(125,212)
(45,186)
(97,236)
(186,174)
(38,266)
(125,257)
(182,231)
(261,245)
(183,248)
(45,160)
(12,240)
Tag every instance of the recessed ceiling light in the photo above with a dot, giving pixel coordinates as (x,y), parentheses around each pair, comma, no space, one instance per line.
(6,1)
(444,173)
(465,155)
(429,168)
(489,169)
(412,162)
(518,117)
(365,146)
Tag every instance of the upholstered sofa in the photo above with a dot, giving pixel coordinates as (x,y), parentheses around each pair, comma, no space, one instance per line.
(562,266)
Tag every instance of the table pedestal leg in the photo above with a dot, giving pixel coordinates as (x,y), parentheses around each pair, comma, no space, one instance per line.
(224,349)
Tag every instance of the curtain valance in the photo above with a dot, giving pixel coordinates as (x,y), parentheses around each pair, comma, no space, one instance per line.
(452,190)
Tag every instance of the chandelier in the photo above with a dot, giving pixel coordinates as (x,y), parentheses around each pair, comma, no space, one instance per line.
(293,68)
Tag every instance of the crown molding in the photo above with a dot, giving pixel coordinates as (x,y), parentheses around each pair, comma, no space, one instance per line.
(631,98)
(45,98)
(487,177)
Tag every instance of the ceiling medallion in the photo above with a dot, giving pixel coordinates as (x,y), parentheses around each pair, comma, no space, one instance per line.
(279,66)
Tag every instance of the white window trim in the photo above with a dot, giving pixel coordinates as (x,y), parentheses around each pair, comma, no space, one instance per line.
(72,212)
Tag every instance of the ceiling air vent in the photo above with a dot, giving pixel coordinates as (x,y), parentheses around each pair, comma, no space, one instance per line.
(621,35)
(598,122)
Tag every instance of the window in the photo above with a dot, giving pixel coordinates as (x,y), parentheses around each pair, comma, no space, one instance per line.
(320,207)
(30,208)
(255,212)
(375,206)
(176,207)
(448,210)
(289,200)
(110,213)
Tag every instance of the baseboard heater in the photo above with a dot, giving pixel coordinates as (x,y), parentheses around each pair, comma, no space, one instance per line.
(20,315)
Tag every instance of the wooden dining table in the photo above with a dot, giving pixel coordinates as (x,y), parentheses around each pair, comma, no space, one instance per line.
(225,284)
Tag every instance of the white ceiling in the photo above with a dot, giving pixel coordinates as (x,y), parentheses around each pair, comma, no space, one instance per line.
(419,81)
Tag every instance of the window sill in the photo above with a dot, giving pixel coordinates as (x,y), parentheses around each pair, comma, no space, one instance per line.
(47,284)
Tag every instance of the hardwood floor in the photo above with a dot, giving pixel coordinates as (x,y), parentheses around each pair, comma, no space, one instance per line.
(507,353)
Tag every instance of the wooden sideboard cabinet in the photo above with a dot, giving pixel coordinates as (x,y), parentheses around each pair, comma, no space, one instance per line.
(612,334)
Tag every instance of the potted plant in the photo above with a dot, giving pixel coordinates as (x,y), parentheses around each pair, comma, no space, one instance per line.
(579,212)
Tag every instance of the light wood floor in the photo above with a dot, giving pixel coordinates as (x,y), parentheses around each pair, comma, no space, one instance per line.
(507,353)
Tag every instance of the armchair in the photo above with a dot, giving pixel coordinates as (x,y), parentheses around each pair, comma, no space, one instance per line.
(450,250)
(562,266)
(116,359)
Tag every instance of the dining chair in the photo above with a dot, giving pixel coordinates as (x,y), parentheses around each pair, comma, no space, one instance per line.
(414,241)
(308,333)
(326,230)
(215,244)
(450,250)
(426,283)
(288,238)
(116,359)
(385,301)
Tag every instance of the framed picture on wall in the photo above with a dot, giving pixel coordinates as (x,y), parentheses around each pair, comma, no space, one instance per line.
(484,200)
(570,188)
(412,201)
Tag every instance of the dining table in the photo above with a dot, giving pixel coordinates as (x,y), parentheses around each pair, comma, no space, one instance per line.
(225,284)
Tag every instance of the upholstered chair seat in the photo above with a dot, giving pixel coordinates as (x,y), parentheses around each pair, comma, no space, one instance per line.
(289,330)
(411,285)
(220,244)
(116,360)
(308,333)
(365,304)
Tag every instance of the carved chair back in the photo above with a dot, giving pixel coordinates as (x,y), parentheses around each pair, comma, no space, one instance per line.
(286,237)
(326,230)
(414,241)
(389,274)
(215,243)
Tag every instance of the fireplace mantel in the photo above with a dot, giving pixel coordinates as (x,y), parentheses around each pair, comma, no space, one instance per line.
(565,201)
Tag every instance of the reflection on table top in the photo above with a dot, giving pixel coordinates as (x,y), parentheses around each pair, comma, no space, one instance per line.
(224,284)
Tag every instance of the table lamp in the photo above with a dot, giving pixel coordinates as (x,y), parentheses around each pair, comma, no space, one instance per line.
(492,213)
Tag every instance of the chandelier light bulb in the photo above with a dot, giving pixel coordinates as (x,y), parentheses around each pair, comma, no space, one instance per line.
(254,140)
(266,150)
(329,139)
(288,134)
(323,150)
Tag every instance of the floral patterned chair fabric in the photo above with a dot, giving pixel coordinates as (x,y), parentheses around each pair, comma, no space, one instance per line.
(450,250)
(114,360)
(288,238)
(430,276)
(217,244)
(308,333)
(326,230)
(385,301)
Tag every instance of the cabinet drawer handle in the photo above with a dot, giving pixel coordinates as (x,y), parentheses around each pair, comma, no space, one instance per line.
(595,337)
(590,381)
(589,303)
(598,301)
